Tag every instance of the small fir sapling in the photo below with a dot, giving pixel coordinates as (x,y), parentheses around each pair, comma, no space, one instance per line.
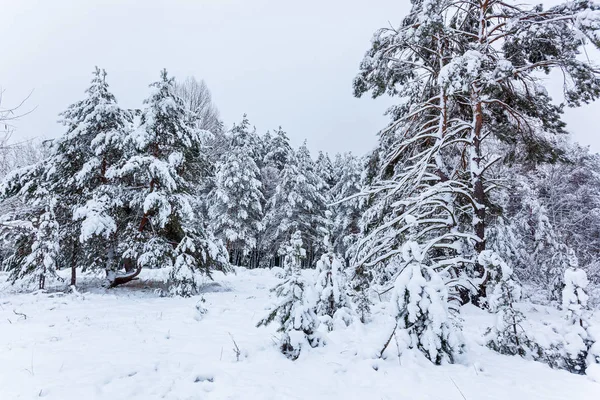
(578,341)
(420,301)
(508,335)
(333,304)
(295,310)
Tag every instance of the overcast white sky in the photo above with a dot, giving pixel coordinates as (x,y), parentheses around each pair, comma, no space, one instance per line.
(282,63)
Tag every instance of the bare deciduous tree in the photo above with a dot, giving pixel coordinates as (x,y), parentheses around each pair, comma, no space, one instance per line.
(20,153)
(197,98)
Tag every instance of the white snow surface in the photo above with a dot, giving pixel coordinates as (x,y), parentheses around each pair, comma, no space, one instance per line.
(129,343)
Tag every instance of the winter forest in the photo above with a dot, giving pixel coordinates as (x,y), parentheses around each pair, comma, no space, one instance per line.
(458,259)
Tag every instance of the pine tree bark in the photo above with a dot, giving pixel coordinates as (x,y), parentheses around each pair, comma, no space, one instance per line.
(74,265)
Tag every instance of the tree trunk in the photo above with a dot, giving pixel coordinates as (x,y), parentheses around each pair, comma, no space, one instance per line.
(476,169)
(121,279)
(74,265)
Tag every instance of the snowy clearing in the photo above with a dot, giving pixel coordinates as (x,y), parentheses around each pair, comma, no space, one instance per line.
(128,343)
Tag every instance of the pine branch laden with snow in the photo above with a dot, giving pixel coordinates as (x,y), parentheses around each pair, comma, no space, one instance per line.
(296,304)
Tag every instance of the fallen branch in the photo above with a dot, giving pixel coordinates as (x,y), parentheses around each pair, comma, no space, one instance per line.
(387,343)
(121,279)
(20,314)
(457,388)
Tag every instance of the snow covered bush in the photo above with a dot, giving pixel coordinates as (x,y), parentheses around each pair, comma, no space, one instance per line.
(420,300)
(296,303)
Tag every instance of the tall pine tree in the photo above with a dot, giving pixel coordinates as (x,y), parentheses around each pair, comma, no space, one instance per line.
(161,179)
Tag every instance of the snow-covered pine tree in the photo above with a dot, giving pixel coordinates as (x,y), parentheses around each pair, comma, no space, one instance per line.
(279,150)
(508,335)
(346,206)
(417,168)
(29,186)
(324,169)
(37,249)
(575,305)
(420,304)
(507,101)
(296,302)
(544,210)
(297,205)
(236,203)
(161,179)
(570,193)
(45,250)
(316,223)
(95,141)
(550,254)
(466,73)
(75,176)
(265,145)
(333,304)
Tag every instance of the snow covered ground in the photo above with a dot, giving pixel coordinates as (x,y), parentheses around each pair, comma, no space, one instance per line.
(128,343)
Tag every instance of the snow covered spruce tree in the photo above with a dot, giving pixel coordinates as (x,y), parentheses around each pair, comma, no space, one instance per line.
(346,204)
(296,302)
(333,304)
(236,202)
(324,169)
(75,176)
(297,205)
(160,181)
(508,335)
(420,304)
(28,186)
(550,256)
(278,150)
(95,141)
(43,259)
(467,75)
(543,212)
(36,245)
(578,341)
